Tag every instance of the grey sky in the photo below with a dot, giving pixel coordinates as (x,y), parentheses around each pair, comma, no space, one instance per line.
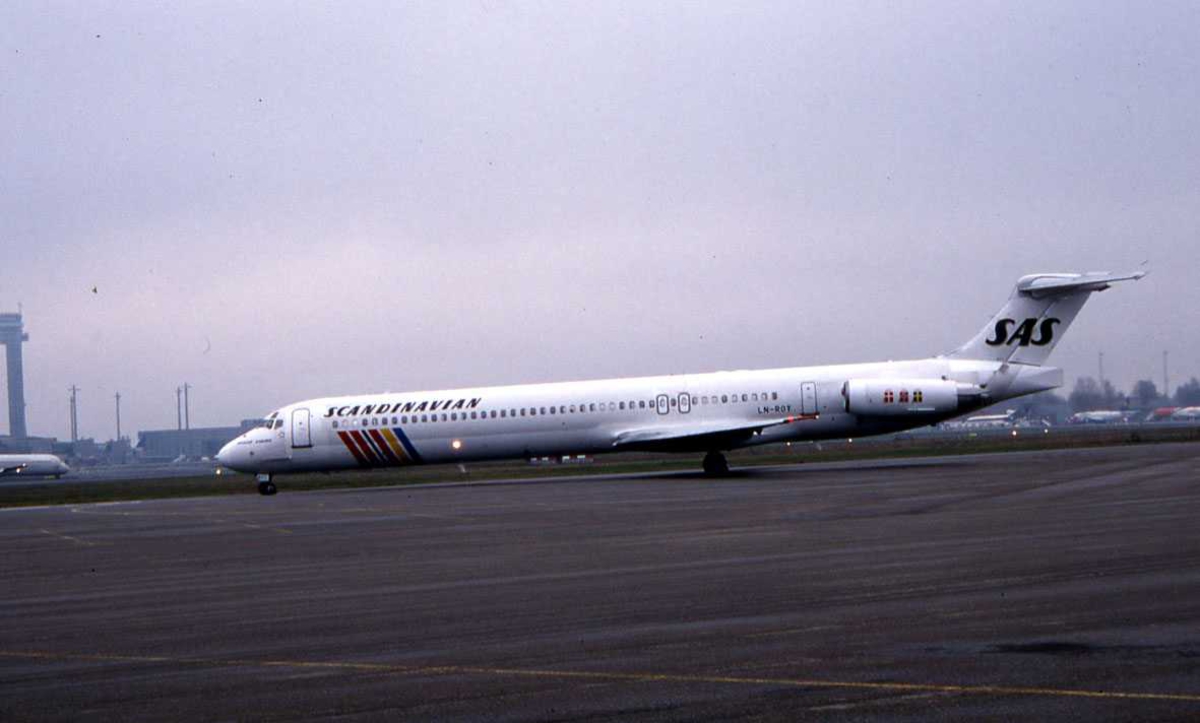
(277,201)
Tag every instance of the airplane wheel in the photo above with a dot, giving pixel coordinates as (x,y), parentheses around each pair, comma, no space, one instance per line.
(715,464)
(266,488)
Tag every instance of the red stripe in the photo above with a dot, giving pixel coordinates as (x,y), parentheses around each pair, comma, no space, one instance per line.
(346,440)
(387,450)
(366,448)
(366,435)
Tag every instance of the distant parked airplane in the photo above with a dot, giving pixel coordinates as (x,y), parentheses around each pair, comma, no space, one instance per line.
(32,465)
(1097,417)
(709,413)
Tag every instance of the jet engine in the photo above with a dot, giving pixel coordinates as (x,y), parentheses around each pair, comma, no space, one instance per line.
(900,397)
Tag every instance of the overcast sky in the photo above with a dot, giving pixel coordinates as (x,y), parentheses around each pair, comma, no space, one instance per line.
(276,201)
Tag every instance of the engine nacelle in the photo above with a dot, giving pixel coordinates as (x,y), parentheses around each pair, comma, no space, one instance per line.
(900,397)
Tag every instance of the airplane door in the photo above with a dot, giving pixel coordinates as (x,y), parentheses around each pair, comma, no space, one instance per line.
(808,398)
(664,404)
(301,432)
(685,403)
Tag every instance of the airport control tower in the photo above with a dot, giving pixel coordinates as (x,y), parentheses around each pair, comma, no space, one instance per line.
(12,335)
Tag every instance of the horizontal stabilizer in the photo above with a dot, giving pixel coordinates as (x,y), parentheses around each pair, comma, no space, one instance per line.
(1094,281)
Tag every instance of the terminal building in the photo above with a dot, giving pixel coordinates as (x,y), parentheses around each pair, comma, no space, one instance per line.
(194,443)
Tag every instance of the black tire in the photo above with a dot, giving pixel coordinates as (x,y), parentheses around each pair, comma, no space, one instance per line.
(267,488)
(715,464)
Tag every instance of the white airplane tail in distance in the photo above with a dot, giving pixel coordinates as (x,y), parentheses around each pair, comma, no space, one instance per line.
(709,413)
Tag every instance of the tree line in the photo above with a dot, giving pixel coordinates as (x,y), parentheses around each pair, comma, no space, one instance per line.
(1089,394)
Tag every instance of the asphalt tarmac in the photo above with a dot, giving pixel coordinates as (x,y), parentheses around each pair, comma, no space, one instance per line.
(1028,586)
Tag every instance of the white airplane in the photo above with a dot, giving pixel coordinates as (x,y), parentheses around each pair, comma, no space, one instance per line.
(1097,417)
(32,465)
(710,413)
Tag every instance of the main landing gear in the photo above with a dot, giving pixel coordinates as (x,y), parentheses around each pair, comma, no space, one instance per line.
(265,485)
(715,464)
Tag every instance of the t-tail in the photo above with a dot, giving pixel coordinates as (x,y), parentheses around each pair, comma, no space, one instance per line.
(1038,313)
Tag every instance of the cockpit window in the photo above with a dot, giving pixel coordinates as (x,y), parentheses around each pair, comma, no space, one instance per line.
(278,424)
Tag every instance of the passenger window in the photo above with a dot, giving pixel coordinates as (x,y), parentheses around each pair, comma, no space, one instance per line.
(724,399)
(889,397)
(552,410)
(335,424)
(641,404)
(453,416)
(592,407)
(672,402)
(744,398)
(903,395)
(918,396)
(572,409)
(774,396)
(754,397)
(502,411)
(404,419)
(622,405)
(424,418)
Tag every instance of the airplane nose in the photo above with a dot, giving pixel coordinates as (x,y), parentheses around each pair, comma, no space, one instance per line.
(225,455)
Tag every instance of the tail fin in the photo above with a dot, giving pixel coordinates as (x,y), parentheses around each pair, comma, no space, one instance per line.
(1036,316)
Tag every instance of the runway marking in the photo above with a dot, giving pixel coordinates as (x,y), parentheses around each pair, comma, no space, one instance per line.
(198,517)
(612,676)
(252,526)
(790,631)
(68,538)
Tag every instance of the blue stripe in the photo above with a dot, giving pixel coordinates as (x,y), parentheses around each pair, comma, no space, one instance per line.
(383,460)
(412,452)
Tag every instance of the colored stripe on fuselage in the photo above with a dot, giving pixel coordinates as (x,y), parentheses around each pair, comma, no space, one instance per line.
(350,445)
(408,447)
(364,446)
(394,444)
(384,448)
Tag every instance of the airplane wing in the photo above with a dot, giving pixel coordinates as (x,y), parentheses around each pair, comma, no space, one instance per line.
(693,437)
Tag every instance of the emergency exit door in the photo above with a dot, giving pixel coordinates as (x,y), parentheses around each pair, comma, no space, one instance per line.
(808,398)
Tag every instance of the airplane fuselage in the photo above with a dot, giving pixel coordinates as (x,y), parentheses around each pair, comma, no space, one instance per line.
(665,413)
(31,465)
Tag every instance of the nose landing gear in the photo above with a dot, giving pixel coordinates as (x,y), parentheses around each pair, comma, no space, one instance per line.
(715,464)
(265,485)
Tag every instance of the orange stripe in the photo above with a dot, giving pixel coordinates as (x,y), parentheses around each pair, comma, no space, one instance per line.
(397,448)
